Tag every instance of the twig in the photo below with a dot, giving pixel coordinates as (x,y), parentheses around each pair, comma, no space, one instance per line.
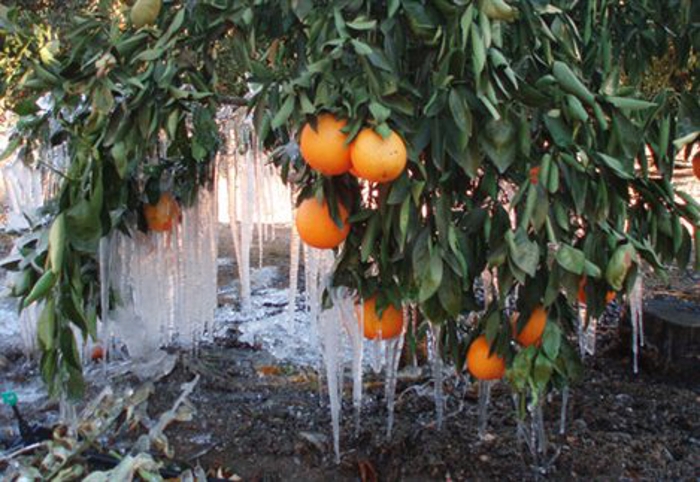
(21,451)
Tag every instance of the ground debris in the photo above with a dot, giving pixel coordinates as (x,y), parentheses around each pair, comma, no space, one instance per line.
(74,454)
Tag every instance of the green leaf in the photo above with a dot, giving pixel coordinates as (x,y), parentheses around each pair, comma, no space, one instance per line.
(283,114)
(46,326)
(41,288)
(571,259)
(630,104)
(432,278)
(625,171)
(551,340)
(450,293)
(57,243)
(361,48)
(571,83)
(460,111)
(542,372)
(370,236)
(524,254)
(379,112)
(362,23)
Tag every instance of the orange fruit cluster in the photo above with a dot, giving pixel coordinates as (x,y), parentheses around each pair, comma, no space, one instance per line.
(325,148)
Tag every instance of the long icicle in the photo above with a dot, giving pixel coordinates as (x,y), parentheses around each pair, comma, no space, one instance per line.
(394,349)
(636,300)
(484,401)
(435,356)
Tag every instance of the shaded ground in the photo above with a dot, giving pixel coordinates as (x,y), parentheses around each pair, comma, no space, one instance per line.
(267,421)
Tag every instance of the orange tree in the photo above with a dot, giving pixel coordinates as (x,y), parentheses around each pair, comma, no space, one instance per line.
(526,143)
(525,150)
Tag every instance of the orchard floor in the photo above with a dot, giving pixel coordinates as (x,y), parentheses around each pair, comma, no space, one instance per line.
(266,421)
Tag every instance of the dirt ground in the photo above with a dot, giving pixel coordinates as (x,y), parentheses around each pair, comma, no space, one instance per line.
(266,421)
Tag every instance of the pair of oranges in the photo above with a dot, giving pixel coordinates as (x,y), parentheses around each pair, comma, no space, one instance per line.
(326,149)
(369,156)
(484,365)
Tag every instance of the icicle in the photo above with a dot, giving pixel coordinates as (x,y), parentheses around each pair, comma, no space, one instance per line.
(377,355)
(232,191)
(581,328)
(330,333)
(28,320)
(484,401)
(590,336)
(636,300)
(394,349)
(538,431)
(294,245)
(414,328)
(248,188)
(353,327)
(534,437)
(564,406)
(257,200)
(68,415)
(435,357)
(104,259)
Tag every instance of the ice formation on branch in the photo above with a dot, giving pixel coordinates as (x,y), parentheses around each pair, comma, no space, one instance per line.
(164,283)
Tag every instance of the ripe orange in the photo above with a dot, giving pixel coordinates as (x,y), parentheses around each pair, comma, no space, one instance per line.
(480,364)
(533,329)
(388,326)
(98,353)
(696,165)
(316,226)
(377,159)
(325,148)
(163,215)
